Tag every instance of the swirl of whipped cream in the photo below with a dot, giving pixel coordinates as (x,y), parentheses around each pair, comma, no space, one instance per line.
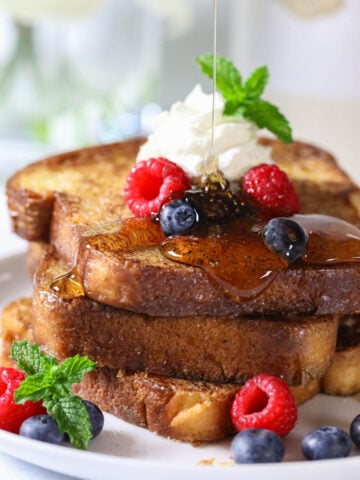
(183,135)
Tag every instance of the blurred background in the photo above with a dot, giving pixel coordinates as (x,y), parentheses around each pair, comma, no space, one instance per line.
(81,72)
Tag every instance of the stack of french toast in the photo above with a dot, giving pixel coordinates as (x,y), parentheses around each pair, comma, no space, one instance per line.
(172,349)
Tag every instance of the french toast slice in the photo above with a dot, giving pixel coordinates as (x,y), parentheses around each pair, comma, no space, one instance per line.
(144,281)
(136,280)
(209,348)
(141,276)
(185,410)
(91,178)
(179,409)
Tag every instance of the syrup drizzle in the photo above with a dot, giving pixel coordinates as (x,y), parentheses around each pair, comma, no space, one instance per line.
(114,237)
(231,252)
(212,175)
(331,240)
(213,166)
(69,285)
(236,258)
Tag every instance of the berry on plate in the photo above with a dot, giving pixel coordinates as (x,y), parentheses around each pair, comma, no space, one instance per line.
(269,188)
(43,428)
(326,442)
(151,183)
(12,414)
(257,445)
(265,402)
(355,431)
(96,418)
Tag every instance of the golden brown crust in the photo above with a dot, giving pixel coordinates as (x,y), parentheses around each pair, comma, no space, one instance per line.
(184,410)
(16,324)
(145,281)
(343,376)
(85,175)
(209,348)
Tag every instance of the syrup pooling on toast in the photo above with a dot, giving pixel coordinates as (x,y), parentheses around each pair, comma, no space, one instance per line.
(331,240)
(231,252)
(125,235)
(235,257)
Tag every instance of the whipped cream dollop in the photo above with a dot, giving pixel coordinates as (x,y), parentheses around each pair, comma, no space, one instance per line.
(184,135)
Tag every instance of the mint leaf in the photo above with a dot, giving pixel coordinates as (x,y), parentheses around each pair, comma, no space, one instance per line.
(232,108)
(72,417)
(33,387)
(266,115)
(73,369)
(51,382)
(244,98)
(29,358)
(228,78)
(256,83)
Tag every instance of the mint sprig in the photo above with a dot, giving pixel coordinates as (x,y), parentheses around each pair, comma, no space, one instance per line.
(243,97)
(51,382)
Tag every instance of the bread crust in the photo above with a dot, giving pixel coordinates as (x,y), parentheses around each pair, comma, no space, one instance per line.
(85,175)
(144,281)
(183,410)
(210,348)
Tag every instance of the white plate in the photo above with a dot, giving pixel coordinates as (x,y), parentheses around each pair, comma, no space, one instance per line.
(126,451)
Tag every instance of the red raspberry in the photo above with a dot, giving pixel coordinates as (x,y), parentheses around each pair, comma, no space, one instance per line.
(265,402)
(12,414)
(150,184)
(271,188)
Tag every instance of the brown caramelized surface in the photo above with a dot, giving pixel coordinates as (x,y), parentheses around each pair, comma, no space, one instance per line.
(231,252)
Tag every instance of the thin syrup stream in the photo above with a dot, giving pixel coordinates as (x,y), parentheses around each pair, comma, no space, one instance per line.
(211,162)
(214,81)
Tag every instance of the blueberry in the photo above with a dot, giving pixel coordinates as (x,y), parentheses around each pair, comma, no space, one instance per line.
(326,442)
(96,418)
(177,216)
(257,445)
(42,427)
(355,431)
(286,238)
